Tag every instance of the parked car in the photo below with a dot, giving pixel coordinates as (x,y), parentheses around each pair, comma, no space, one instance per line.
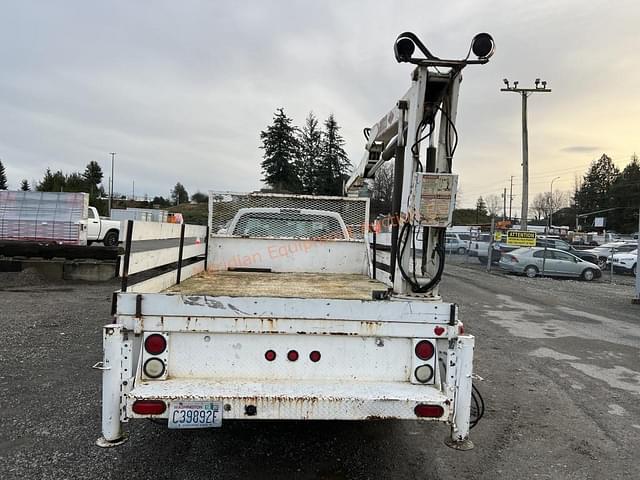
(626,262)
(453,244)
(551,242)
(550,262)
(605,251)
(480,246)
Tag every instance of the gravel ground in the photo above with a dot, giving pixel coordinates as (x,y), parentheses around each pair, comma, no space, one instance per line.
(558,359)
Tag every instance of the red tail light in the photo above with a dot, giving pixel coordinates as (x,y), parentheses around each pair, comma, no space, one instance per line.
(292,355)
(432,411)
(149,407)
(314,356)
(270,355)
(155,344)
(424,350)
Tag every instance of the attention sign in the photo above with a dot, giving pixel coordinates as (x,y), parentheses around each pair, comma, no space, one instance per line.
(521,239)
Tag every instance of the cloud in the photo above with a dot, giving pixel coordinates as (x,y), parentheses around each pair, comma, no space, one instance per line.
(580,149)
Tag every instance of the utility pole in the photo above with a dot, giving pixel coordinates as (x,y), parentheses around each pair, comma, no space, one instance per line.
(113,154)
(524,93)
(510,198)
(504,205)
(551,204)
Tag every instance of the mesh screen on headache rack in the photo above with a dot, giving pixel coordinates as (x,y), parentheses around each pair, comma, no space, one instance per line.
(223,207)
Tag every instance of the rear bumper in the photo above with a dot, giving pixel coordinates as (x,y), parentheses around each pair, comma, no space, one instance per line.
(288,400)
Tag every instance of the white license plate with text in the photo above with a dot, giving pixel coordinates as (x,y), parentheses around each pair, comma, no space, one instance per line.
(195,414)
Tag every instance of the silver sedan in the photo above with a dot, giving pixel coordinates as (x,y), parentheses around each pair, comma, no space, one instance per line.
(549,262)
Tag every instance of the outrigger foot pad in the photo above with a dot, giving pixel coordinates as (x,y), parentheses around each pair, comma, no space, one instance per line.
(459,444)
(104,443)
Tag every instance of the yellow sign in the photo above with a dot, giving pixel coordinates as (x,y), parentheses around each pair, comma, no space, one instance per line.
(521,239)
(497,236)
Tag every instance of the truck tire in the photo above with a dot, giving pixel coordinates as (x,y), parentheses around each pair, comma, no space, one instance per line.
(111,238)
(634,269)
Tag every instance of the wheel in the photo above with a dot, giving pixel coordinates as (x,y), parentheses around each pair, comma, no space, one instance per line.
(531,271)
(633,269)
(462,250)
(588,275)
(482,260)
(110,239)
(602,262)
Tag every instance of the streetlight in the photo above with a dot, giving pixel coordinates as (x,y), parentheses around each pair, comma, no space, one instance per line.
(551,203)
(540,87)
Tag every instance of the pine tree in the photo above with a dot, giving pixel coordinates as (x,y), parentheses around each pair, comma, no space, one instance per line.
(595,191)
(179,194)
(334,167)
(625,194)
(52,182)
(3,178)
(280,162)
(24,185)
(310,154)
(93,176)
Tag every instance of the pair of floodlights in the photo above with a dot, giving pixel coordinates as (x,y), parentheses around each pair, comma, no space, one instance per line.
(482,46)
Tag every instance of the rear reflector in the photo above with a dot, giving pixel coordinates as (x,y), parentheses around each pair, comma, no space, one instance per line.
(292,355)
(433,411)
(149,407)
(155,344)
(424,350)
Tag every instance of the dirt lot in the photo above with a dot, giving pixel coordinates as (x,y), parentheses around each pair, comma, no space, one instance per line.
(558,359)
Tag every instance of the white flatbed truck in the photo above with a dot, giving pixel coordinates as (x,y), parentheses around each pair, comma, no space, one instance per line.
(291,311)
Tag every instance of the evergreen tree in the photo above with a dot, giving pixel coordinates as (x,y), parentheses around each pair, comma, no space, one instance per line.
(310,154)
(595,191)
(334,167)
(280,162)
(24,185)
(3,178)
(625,194)
(179,194)
(481,208)
(52,182)
(93,176)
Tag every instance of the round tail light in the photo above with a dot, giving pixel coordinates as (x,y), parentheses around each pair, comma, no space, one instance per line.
(423,373)
(155,344)
(154,368)
(424,350)
(292,355)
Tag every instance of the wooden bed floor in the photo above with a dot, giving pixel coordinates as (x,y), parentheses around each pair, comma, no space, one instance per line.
(284,285)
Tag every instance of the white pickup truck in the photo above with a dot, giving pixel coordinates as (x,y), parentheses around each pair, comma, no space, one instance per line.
(102,229)
(281,320)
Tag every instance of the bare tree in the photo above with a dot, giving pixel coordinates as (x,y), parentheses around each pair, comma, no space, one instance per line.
(539,206)
(493,203)
(382,190)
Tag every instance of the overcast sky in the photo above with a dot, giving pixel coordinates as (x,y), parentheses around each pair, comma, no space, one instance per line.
(181,89)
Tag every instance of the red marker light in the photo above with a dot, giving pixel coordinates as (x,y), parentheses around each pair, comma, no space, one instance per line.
(433,411)
(292,355)
(314,356)
(438,330)
(149,407)
(270,355)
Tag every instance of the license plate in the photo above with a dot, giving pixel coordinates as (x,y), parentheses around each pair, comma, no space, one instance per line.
(195,414)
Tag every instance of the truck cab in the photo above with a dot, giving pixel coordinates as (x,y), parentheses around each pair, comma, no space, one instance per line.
(102,229)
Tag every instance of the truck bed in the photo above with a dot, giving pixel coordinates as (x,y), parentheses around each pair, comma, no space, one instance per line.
(284,285)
